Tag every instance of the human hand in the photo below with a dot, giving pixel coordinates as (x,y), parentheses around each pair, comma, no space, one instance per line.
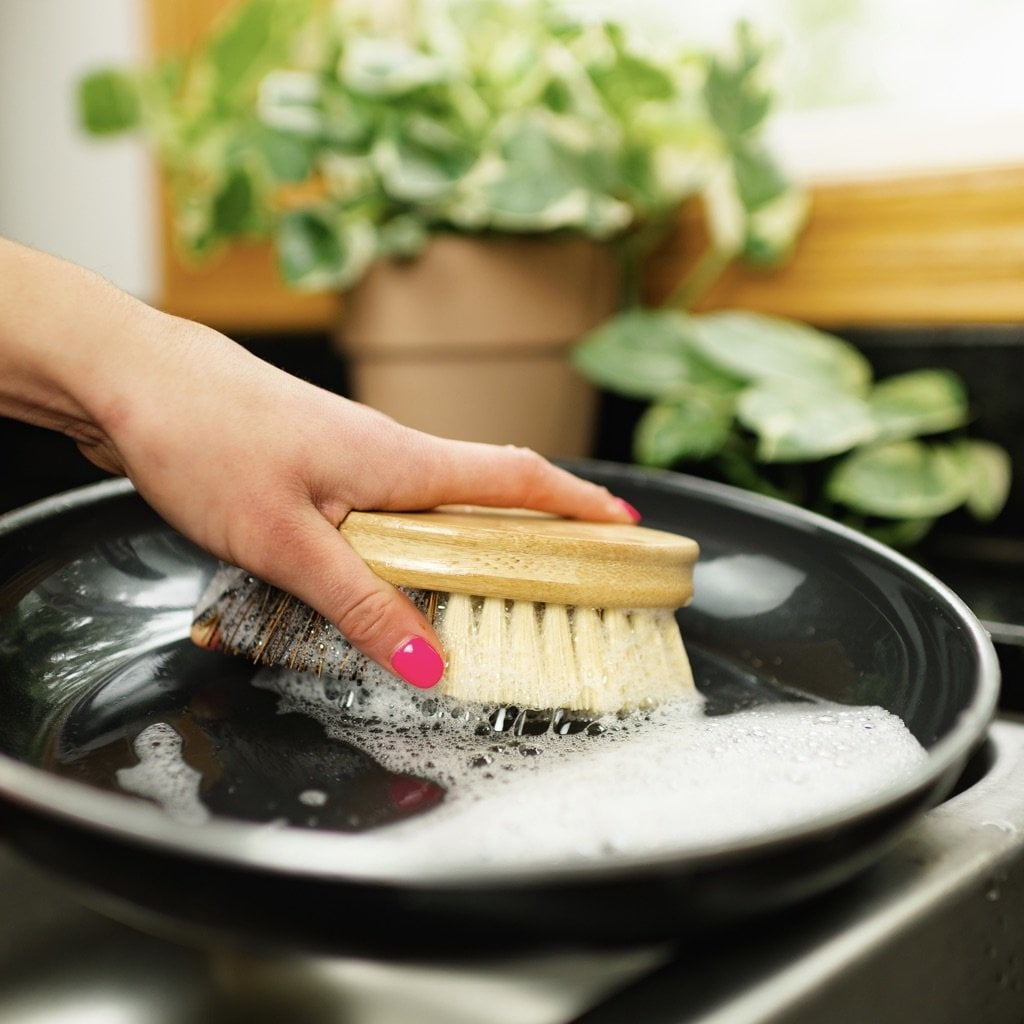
(260,468)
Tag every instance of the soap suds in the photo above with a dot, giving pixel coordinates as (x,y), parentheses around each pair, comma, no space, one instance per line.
(164,776)
(663,780)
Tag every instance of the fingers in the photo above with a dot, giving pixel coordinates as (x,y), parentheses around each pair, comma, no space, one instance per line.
(316,564)
(462,472)
(320,569)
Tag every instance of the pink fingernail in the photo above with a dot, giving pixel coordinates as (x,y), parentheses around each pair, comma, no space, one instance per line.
(417,662)
(630,511)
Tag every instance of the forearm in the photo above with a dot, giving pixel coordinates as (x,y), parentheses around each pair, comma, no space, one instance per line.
(61,329)
(80,356)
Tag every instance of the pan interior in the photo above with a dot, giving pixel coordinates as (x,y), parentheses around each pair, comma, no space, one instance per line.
(97,677)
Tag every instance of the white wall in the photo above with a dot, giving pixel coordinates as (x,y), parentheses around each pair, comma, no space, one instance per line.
(87,200)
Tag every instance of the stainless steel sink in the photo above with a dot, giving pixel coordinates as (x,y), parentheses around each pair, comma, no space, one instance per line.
(62,963)
(933,933)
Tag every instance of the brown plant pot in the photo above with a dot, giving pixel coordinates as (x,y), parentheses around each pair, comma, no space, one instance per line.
(471,339)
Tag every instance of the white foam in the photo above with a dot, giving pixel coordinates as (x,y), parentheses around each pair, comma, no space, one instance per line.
(163,775)
(667,780)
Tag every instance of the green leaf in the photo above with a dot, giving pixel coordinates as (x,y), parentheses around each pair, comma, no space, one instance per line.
(756,347)
(541,183)
(315,251)
(901,533)
(989,474)
(920,402)
(380,67)
(799,422)
(900,480)
(736,98)
(647,354)
(108,103)
(402,237)
(289,158)
(695,426)
(772,229)
(629,79)
(413,172)
(292,101)
(759,178)
(234,208)
(255,36)
(240,42)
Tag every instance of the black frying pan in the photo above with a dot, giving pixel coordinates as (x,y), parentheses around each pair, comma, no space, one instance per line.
(95,601)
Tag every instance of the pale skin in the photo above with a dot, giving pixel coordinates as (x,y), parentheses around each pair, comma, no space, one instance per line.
(250,463)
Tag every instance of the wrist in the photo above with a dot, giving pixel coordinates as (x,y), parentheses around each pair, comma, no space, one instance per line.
(56,327)
(79,355)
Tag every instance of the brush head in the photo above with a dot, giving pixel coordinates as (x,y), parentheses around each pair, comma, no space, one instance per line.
(533,611)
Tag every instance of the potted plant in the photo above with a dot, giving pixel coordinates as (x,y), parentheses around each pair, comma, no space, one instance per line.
(783,409)
(482,178)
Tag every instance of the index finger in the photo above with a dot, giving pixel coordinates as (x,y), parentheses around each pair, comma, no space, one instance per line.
(467,472)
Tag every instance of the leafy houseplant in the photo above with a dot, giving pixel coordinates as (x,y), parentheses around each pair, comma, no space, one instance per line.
(370,141)
(352,131)
(786,410)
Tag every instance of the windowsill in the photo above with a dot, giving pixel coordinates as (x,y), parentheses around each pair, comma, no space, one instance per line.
(872,143)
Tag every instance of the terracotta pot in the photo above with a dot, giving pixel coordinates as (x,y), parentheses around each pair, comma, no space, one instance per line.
(471,339)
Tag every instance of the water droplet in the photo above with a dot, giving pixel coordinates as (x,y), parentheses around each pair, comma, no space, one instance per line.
(532,723)
(503,718)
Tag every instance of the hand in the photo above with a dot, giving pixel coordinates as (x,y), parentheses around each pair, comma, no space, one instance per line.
(254,465)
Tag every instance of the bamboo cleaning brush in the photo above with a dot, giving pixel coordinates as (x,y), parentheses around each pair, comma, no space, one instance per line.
(533,611)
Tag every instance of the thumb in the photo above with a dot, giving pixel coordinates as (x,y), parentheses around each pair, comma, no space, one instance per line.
(325,573)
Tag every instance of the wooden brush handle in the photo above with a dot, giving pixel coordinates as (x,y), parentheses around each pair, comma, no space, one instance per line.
(526,556)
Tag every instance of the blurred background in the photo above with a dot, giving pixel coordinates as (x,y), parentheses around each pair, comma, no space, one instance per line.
(904,120)
(865,87)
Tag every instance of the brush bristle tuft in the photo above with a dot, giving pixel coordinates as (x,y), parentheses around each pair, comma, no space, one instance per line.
(544,656)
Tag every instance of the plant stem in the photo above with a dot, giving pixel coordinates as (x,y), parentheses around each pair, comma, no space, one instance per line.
(704,273)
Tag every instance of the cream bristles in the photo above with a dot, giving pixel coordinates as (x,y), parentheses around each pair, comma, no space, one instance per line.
(544,655)
(513,653)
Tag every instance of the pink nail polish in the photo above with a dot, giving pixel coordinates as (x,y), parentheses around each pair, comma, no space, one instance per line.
(418,663)
(630,511)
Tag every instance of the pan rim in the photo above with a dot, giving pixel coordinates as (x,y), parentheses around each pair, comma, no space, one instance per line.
(296,852)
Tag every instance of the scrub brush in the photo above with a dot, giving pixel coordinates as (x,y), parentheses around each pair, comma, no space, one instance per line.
(533,611)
